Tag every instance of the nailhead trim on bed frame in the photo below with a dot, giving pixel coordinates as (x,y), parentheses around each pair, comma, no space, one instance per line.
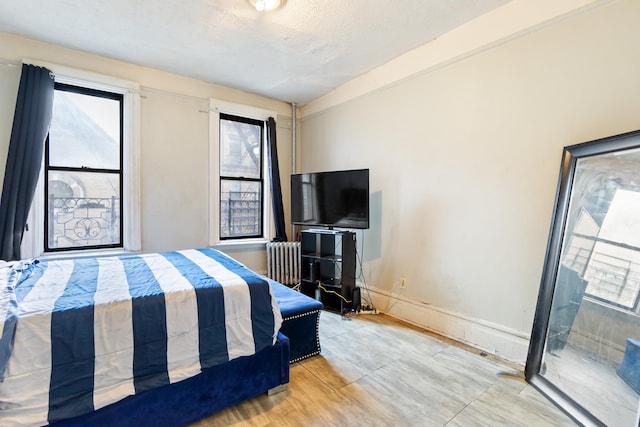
(297,316)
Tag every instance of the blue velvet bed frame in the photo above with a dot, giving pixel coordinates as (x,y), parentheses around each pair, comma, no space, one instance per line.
(187,401)
(224,385)
(300,317)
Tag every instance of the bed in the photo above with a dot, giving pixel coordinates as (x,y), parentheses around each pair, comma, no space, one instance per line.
(300,321)
(162,339)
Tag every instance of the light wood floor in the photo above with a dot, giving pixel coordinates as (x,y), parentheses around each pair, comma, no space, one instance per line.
(377,371)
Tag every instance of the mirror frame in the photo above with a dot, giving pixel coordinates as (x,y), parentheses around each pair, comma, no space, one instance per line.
(570,156)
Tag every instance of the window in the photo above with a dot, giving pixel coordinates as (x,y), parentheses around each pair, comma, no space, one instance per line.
(241,177)
(83,170)
(601,254)
(87,196)
(239,185)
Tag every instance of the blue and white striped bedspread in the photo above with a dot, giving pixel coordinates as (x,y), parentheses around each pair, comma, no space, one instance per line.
(90,332)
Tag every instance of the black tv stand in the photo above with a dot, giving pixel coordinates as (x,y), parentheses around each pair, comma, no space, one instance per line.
(329,267)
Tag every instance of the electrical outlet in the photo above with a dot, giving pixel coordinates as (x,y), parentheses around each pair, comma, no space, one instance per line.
(403,282)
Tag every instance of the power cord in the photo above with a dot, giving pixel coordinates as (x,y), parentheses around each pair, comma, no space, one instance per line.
(368,306)
(346,314)
(334,292)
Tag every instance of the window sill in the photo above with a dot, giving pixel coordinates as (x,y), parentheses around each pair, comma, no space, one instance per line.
(50,256)
(243,245)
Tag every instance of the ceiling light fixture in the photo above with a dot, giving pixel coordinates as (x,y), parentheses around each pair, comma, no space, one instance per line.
(266,5)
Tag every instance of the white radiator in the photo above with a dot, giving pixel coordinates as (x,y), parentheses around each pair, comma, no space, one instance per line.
(283,262)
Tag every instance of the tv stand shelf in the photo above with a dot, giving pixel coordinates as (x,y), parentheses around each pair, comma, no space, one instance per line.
(329,267)
(324,257)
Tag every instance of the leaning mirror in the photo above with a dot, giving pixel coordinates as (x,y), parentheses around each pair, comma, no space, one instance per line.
(584,352)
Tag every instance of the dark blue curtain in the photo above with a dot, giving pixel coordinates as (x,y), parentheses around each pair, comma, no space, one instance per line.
(276,187)
(30,127)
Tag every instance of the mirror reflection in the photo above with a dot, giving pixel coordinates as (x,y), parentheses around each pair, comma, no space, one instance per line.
(592,351)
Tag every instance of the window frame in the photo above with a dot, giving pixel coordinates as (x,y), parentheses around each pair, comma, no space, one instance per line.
(33,240)
(83,90)
(259,179)
(216,108)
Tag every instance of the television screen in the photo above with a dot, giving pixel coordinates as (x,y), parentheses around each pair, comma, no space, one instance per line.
(331,199)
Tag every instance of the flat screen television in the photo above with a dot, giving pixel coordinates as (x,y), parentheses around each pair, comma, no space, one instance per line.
(331,199)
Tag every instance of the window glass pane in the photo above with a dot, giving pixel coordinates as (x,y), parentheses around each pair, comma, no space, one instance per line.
(85,131)
(83,209)
(240,149)
(240,208)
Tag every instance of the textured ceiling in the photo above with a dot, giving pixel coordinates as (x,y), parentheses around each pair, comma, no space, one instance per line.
(294,54)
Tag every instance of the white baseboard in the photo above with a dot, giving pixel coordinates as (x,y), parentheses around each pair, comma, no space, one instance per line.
(504,342)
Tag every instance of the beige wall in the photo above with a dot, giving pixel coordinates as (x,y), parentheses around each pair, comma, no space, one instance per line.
(174,171)
(464,161)
(9,82)
(174,141)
